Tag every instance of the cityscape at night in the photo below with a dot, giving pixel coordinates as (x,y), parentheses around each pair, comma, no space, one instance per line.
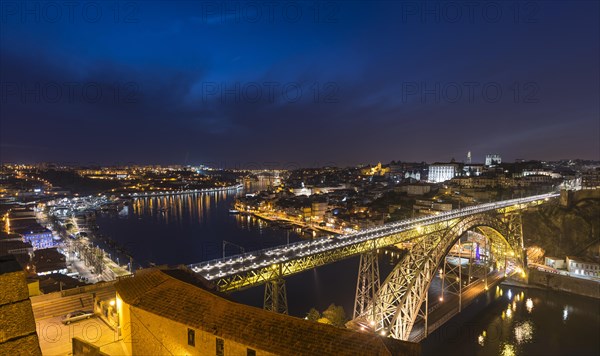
(300,177)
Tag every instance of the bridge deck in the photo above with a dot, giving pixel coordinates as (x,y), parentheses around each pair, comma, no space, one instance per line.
(441,312)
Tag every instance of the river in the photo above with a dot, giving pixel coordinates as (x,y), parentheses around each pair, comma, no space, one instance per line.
(516,321)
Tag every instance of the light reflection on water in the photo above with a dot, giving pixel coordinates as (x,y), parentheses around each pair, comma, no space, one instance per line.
(522,322)
(189,228)
(523,332)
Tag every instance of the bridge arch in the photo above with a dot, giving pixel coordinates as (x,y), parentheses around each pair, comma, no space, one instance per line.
(398,302)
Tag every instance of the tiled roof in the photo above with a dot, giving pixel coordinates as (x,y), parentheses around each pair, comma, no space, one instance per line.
(18,333)
(157,292)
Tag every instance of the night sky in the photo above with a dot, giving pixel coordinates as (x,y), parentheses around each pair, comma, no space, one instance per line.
(298,83)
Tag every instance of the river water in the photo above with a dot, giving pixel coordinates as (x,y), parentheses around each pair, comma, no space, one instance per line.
(516,321)
(191,228)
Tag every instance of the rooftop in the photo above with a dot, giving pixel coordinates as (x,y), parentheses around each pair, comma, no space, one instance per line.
(156,291)
(18,335)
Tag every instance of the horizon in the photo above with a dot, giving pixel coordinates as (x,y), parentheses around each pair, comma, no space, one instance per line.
(251,165)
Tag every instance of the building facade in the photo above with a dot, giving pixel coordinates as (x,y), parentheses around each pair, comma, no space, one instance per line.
(492,160)
(39,239)
(582,267)
(441,172)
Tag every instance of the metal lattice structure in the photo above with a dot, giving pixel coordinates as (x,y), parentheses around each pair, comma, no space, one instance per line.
(452,279)
(368,282)
(276,296)
(401,296)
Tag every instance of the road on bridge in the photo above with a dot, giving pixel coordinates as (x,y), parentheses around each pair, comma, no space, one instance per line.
(442,311)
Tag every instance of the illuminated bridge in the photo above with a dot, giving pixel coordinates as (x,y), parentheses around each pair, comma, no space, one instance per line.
(393,306)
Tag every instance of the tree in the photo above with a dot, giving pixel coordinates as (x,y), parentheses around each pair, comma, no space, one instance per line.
(324,321)
(313,315)
(336,315)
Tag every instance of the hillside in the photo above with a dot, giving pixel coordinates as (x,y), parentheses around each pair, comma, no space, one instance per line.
(560,230)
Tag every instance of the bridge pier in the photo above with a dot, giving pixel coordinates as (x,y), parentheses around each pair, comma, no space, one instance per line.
(367,284)
(276,296)
(453,274)
(515,234)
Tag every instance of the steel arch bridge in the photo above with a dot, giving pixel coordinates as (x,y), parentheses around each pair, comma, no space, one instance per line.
(393,309)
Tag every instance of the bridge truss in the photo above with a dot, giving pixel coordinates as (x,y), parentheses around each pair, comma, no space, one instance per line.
(399,302)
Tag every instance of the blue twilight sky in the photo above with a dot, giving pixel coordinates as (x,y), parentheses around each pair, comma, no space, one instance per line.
(309,83)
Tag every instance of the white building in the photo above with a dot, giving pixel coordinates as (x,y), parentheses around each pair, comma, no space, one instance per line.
(578,266)
(554,262)
(416,175)
(473,170)
(541,172)
(441,172)
(492,160)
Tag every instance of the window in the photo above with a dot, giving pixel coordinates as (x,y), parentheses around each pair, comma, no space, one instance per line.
(191,337)
(220,347)
(251,352)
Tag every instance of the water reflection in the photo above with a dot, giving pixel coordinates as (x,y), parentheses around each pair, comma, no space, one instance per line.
(523,332)
(522,322)
(177,209)
(529,305)
(481,339)
(508,350)
(191,228)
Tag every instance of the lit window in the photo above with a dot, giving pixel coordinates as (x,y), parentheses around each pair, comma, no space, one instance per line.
(220,347)
(191,337)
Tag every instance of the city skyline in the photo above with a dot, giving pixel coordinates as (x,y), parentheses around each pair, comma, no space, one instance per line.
(191,83)
(284,165)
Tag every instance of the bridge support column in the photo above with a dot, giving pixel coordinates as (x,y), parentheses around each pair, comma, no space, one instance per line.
(452,277)
(367,284)
(515,237)
(424,314)
(471,263)
(276,296)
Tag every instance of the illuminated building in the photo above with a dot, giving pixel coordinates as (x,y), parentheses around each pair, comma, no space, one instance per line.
(441,172)
(492,160)
(580,266)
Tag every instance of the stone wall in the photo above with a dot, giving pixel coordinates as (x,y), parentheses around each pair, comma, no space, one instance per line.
(570,197)
(559,282)
(149,334)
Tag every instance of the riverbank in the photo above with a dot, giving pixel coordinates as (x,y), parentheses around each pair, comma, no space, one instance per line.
(272,218)
(82,256)
(190,191)
(557,282)
(551,281)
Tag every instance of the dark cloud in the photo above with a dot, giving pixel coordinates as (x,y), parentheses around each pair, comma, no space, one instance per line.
(368,87)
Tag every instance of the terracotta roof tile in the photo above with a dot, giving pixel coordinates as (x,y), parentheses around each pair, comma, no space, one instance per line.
(158,293)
